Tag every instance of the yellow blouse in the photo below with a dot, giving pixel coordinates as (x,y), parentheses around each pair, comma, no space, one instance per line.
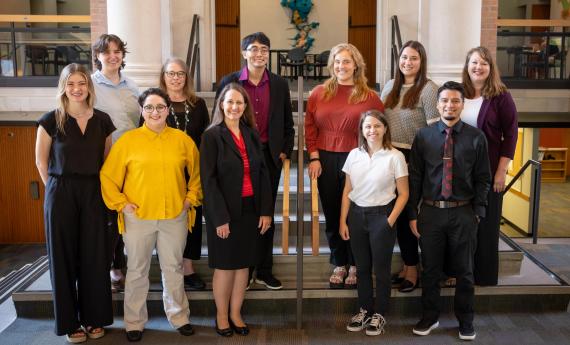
(147,169)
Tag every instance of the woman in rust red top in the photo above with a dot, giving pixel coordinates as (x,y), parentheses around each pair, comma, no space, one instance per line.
(331,129)
(237,202)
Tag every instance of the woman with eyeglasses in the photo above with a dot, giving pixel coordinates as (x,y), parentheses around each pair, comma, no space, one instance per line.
(188,113)
(143,179)
(237,202)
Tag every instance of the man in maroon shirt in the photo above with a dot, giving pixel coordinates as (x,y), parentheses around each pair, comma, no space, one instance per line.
(269,94)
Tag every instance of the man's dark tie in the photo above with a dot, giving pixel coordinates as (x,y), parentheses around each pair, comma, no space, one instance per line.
(447,177)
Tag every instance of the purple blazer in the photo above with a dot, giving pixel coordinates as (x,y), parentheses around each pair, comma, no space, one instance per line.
(498,119)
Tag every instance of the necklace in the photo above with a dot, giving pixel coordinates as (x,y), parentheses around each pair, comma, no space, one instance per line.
(186,116)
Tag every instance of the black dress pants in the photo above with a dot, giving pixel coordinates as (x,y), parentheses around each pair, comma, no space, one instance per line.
(451,230)
(264,264)
(486,270)
(193,248)
(75,223)
(331,185)
(407,241)
(372,242)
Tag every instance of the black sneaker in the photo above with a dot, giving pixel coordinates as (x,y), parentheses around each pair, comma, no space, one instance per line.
(376,325)
(186,330)
(466,331)
(424,327)
(194,282)
(358,321)
(269,281)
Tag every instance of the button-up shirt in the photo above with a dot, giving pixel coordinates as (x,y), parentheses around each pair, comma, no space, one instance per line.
(471,173)
(259,97)
(147,169)
(117,100)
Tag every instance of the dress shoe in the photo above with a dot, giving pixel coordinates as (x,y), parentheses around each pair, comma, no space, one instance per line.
(194,282)
(396,279)
(186,330)
(226,332)
(239,330)
(133,336)
(407,286)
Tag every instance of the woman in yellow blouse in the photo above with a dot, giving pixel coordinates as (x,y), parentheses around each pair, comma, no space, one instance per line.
(143,180)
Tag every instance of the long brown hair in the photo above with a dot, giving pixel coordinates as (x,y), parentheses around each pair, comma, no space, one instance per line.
(361,91)
(386,139)
(247,116)
(412,96)
(188,88)
(493,85)
(63,101)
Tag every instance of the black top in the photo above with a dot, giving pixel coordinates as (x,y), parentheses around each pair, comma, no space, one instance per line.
(471,172)
(194,124)
(75,153)
(280,127)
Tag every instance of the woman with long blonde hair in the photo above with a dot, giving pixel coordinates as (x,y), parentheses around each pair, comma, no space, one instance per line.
(71,145)
(331,129)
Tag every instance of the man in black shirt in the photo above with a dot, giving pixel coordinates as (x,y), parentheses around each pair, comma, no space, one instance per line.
(450,176)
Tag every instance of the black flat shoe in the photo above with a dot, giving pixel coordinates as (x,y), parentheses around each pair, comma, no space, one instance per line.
(239,330)
(186,330)
(226,332)
(194,282)
(396,279)
(407,286)
(133,336)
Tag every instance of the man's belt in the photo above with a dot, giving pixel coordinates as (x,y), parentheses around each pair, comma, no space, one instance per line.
(445,203)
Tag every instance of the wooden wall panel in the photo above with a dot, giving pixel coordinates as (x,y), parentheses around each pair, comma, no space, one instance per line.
(362,33)
(21,217)
(228,52)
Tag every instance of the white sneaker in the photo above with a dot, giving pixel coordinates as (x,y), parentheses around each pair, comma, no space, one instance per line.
(376,325)
(358,321)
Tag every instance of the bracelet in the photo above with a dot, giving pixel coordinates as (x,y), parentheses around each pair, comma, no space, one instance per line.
(314,159)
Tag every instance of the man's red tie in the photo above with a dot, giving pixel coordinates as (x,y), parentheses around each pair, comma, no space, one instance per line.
(447,177)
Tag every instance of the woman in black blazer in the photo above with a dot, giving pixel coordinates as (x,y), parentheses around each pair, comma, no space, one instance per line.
(237,202)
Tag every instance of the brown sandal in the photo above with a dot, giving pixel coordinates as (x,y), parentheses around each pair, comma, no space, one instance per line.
(94,332)
(76,337)
(336,280)
(351,281)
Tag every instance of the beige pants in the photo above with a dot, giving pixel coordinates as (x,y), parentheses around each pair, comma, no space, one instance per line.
(141,237)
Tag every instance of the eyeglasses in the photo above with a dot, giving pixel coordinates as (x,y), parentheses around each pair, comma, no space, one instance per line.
(172,74)
(149,108)
(255,50)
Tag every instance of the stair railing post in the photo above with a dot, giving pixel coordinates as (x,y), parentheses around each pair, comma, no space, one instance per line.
(535,200)
(300,199)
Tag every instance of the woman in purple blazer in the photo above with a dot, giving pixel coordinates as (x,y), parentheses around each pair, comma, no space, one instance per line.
(490,107)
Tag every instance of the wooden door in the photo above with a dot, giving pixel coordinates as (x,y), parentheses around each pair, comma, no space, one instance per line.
(539,12)
(21,189)
(362,33)
(228,52)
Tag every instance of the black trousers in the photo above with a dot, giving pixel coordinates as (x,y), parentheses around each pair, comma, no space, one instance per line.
(372,242)
(75,223)
(116,244)
(452,230)
(486,269)
(193,248)
(264,261)
(406,240)
(331,184)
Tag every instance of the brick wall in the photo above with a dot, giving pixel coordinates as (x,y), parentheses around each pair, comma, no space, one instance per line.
(489,14)
(98,18)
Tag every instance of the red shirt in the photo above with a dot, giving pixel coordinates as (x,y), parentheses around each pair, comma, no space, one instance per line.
(247,188)
(259,97)
(333,125)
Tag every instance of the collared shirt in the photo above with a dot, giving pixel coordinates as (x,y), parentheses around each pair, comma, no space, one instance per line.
(373,179)
(117,100)
(147,169)
(260,97)
(471,172)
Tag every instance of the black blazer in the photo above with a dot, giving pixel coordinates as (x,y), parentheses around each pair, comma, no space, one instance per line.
(221,173)
(281,131)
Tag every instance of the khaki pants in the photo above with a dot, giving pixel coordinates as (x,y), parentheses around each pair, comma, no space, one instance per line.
(141,237)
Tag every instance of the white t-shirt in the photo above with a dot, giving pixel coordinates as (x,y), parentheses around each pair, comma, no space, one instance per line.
(373,178)
(470,111)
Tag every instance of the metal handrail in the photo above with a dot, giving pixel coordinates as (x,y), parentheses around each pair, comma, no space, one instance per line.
(534,194)
(286,220)
(193,55)
(300,199)
(396,44)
